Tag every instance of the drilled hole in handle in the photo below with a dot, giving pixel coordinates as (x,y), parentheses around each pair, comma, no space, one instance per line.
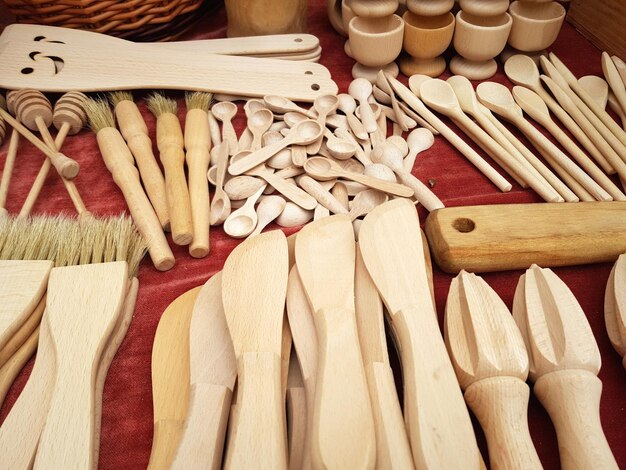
(315,87)
(464,225)
(297,40)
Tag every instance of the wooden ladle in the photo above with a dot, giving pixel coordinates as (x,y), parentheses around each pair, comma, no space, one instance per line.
(325,169)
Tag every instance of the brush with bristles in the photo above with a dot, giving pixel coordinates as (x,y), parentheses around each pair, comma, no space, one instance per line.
(198,147)
(69,118)
(90,296)
(135,132)
(119,161)
(170,143)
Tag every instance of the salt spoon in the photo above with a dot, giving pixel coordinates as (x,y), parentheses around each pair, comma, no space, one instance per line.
(522,70)
(282,105)
(283,158)
(258,123)
(340,148)
(360,89)
(347,105)
(225,112)
(498,99)
(324,106)
(418,140)
(399,142)
(321,194)
(365,201)
(380,171)
(391,156)
(220,204)
(242,187)
(242,222)
(252,106)
(268,209)
(293,216)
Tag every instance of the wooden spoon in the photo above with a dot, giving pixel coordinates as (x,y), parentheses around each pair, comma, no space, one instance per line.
(347,105)
(597,88)
(343,427)
(391,156)
(361,89)
(225,111)
(391,245)
(77,361)
(324,105)
(564,363)
(267,210)
(615,307)
(419,140)
(321,195)
(220,204)
(523,71)
(340,149)
(365,201)
(325,169)
(302,133)
(498,99)
(254,285)
(213,369)
(242,187)
(491,363)
(242,222)
(258,123)
(282,105)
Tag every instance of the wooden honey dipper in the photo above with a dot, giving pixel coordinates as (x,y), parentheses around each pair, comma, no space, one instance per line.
(35,113)
(170,142)
(69,118)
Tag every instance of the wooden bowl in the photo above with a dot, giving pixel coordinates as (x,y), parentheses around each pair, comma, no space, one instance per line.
(426,37)
(484,7)
(376,41)
(535,25)
(481,38)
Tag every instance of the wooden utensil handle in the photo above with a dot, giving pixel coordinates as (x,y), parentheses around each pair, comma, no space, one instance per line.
(501,406)
(343,426)
(291,192)
(259,441)
(422,193)
(320,195)
(572,399)
(382,185)
(514,236)
(178,202)
(437,420)
(296,424)
(165,440)
(202,442)
(119,162)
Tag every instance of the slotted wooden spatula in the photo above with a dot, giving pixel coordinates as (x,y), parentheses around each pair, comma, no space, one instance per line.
(254,285)
(343,426)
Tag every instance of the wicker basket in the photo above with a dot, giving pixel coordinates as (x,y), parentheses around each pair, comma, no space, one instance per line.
(138,19)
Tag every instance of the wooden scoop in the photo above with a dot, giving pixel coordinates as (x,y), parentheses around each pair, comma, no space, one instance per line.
(170,378)
(564,362)
(91,316)
(213,369)
(438,423)
(343,426)
(615,307)
(491,363)
(81,67)
(254,285)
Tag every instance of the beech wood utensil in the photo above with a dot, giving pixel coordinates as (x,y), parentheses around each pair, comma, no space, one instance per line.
(267,211)
(220,205)
(254,285)
(419,140)
(391,245)
(343,426)
(615,81)
(564,363)
(615,307)
(514,236)
(491,363)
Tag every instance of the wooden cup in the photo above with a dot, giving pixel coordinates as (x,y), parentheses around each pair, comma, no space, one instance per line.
(484,7)
(425,39)
(535,25)
(255,18)
(376,41)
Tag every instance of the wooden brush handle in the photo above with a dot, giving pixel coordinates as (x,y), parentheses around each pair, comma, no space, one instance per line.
(170,143)
(119,162)
(135,132)
(198,145)
(514,236)
(501,406)
(343,425)
(259,441)
(202,441)
(572,399)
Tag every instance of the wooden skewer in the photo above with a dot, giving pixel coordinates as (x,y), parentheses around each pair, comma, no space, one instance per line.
(170,142)
(68,117)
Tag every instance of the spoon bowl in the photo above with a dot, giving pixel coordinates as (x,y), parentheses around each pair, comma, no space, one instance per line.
(253,105)
(268,209)
(400,143)
(340,149)
(382,172)
(224,110)
(522,70)
(498,99)
(597,87)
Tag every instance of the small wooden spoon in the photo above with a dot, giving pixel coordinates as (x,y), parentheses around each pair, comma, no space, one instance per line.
(365,201)
(225,111)
(381,171)
(241,222)
(326,169)
(361,89)
(340,149)
(220,204)
(242,187)
(267,210)
(258,123)
(282,105)
(347,105)
(324,105)
(303,133)
(419,140)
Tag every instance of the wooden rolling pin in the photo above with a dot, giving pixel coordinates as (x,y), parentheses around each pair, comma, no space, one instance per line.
(514,236)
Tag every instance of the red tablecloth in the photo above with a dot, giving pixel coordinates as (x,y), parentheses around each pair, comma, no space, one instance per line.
(127,411)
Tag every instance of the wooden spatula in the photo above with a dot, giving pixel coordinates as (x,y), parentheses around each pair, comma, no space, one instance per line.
(491,363)
(564,363)
(514,236)
(23,333)
(615,307)
(213,373)
(79,305)
(438,423)
(254,285)
(171,378)
(343,427)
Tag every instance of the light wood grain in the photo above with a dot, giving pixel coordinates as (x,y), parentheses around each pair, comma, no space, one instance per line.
(615,307)
(615,81)
(23,333)
(391,246)
(11,368)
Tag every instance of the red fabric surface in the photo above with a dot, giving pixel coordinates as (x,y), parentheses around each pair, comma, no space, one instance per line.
(127,411)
